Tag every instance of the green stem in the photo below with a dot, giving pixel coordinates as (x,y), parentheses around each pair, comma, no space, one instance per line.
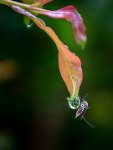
(34,9)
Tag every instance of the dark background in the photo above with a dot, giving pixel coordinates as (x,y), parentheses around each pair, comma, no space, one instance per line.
(33,109)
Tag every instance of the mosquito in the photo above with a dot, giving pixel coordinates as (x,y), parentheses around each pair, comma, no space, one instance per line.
(82,110)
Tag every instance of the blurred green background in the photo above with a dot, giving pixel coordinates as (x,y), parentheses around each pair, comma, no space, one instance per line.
(33,109)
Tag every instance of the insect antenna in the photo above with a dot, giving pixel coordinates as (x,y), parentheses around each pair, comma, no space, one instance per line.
(86,95)
(83,97)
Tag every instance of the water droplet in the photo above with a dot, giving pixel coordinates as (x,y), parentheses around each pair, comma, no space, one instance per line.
(66,46)
(29,25)
(74,103)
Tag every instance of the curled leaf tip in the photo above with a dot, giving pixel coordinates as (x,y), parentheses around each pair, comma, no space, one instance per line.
(69,8)
(71,14)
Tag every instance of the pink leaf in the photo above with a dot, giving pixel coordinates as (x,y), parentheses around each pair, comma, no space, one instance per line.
(70,13)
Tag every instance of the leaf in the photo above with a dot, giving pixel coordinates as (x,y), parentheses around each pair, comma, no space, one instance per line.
(70,14)
(71,71)
(29,1)
(69,63)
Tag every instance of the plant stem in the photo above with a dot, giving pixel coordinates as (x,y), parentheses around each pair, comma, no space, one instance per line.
(27,6)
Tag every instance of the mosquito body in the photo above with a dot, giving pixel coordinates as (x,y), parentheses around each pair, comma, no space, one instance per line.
(82,109)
